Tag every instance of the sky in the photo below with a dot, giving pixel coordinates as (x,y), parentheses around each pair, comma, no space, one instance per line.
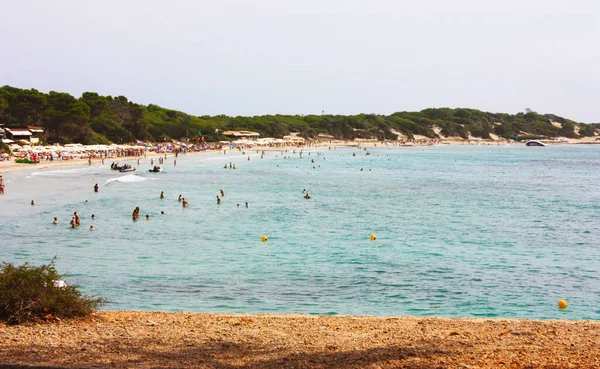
(261,57)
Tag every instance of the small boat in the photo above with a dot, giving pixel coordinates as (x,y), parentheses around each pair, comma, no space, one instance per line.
(535,143)
(122,168)
(155,169)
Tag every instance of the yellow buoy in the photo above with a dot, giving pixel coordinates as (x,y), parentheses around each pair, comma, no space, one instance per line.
(264,238)
(562,304)
(373,237)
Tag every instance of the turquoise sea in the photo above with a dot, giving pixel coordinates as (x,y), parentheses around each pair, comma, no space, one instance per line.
(462,231)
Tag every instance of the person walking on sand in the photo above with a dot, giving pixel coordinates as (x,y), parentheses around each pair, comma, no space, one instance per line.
(96,187)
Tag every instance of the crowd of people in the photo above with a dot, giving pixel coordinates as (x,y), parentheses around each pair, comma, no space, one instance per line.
(76,220)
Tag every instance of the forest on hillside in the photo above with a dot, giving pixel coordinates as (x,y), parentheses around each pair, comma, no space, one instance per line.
(96,119)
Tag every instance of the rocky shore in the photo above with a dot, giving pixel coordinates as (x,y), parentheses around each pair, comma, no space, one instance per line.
(120,339)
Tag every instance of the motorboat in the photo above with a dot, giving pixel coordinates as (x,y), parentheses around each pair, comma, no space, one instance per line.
(535,143)
(122,168)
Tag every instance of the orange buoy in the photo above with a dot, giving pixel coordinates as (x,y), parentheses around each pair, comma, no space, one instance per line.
(373,237)
(264,238)
(562,304)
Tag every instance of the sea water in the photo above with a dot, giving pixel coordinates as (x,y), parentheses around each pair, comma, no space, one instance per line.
(462,231)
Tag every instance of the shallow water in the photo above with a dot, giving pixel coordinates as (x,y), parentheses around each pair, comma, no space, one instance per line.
(469,231)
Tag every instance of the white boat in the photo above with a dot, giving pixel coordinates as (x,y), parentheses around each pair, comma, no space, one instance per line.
(535,143)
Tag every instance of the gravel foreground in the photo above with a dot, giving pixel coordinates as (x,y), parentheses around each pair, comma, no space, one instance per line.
(131,339)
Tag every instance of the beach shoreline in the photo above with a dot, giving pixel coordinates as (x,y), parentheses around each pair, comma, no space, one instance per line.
(124,339)
(8,166)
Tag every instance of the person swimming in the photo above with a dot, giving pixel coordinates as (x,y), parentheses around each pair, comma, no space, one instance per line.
(93,217)
(247,205)
(307,196)
(32,203)
(92,228)
(54,221)
(179,198)
(147,217)
(185,203)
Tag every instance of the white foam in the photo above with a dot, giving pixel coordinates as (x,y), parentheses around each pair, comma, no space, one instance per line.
(129,178)
(55,172)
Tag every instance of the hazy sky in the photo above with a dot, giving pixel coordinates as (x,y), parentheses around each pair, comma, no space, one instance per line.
(304,56)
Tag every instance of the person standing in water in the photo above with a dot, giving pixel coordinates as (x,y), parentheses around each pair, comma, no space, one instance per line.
(222,193)
(162,194)
(77,219)
(185,203)
(218,200)
(54,221)
(179,198)
(96,187)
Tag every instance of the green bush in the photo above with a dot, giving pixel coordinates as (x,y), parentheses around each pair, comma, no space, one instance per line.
(29,293)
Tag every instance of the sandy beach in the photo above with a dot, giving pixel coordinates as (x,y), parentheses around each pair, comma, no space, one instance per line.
(119,339)
(133,339)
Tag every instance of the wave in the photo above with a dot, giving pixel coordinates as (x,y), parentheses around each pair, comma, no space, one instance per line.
(57,172)
(129,178)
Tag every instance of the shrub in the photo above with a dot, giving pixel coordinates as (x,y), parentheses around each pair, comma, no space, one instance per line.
(31,293)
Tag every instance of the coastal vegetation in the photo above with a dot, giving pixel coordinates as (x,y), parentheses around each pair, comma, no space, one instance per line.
(96,119)
(30,293)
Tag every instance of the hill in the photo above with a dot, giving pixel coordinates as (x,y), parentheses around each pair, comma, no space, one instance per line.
(96,119)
